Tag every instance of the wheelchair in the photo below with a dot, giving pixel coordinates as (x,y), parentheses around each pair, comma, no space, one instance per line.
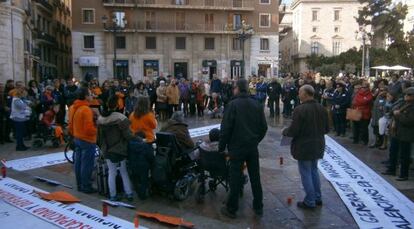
(46,134)
(173,170)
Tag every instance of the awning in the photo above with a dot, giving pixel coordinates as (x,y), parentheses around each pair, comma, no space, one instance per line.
(88,61)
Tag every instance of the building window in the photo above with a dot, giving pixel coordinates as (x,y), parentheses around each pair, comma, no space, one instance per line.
(314,15)
(237,44)
(315,29)
(149,20)
(150,43)
(180,21)
(315,47)
(264,44)
(120,42)
(209,3)
(88,16)
(337,15)
(180,43)
(336,29)
(237,21)
(336,47)
(264,1)
(209,43)
(88,42)
(264,20)
(180,2)
(209,21)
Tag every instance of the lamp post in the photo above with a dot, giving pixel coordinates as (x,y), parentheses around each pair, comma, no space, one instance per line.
(118,24)
(364,36)
(244,31)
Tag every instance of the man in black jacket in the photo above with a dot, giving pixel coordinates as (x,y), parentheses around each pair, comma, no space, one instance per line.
(309,125)
(242,128)
(274,90)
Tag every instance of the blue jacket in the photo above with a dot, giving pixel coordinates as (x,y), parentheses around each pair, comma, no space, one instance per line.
(215,86)
(261,91)
(340,102)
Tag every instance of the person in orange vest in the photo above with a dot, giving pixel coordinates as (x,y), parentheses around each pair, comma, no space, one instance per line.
(82,127)
(143,119)
(96,92)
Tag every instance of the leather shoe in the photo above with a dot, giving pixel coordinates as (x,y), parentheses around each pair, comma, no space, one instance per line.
(302,205)
(401,178)
(388,172)
(224,211)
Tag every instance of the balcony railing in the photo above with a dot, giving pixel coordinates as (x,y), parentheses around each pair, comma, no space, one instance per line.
(46,37)
(184,4)
(171,26)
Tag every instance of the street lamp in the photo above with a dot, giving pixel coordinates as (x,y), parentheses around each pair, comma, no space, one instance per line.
(244,31)
(364,36)
(118,24)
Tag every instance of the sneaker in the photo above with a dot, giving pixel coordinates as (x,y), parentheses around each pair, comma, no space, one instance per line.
(114,198)
(302,205)
(224,211)
(129,197)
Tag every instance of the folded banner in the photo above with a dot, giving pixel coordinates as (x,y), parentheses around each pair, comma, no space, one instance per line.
(372,201)
(35,162)
(202,131)
(21,195)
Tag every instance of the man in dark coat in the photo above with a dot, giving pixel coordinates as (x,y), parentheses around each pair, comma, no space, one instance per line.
(242,129)
(309,125)
(274,90)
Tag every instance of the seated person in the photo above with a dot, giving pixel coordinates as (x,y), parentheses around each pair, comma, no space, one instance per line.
(48,120)
(176,126)
(215,106)
(210,145)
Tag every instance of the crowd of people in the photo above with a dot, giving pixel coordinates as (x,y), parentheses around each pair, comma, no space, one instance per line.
(114,113)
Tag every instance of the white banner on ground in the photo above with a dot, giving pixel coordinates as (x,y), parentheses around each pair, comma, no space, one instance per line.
(40,161)
(21,195)
(372,201)
(202,131)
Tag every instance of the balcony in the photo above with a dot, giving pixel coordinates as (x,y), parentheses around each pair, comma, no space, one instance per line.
(37,53)
(172,27)
(239,5)
(45,4)
(42,36)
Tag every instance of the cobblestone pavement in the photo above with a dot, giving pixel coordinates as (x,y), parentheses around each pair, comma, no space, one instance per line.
(279,182)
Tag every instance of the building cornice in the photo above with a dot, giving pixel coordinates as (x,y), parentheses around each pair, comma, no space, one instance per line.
(298,2)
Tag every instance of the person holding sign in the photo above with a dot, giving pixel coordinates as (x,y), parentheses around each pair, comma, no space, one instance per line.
(309,125)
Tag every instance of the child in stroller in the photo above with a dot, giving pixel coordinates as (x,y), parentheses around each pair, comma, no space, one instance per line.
(48,130)
(213,166)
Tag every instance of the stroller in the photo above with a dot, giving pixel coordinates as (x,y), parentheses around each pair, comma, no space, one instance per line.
(214,168)
(45,134)
(173,170)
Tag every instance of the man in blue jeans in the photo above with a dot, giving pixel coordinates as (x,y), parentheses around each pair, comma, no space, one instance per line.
(309,125)
(82,127)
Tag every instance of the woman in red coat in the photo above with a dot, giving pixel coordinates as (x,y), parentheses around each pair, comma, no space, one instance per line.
(363,102)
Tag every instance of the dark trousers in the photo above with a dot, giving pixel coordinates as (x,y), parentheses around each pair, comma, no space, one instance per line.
(402,150)
(360,131)
(235,174)
(184,104)
(273,106)
(287,108)
(8,126)
(171,109)
(19,132)
(192,108)
(84,163)
(339,120)
(2,122)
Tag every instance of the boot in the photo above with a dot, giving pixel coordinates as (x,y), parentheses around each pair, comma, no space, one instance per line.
(384,145)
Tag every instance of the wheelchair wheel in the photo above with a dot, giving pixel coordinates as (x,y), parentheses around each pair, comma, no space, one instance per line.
(37,143)
(182,189)
(69,153)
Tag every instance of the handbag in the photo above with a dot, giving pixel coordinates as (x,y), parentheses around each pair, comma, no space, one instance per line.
(353,114)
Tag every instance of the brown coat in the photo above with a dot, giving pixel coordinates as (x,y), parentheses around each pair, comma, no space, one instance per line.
(173,94)
(309,125)
(180,130)
(161,94)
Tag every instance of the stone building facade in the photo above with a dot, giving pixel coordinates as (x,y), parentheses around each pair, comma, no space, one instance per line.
(321,27)
(185,38)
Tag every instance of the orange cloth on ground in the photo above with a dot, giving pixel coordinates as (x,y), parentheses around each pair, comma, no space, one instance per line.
(97,92)
(59,196)
(167,219)
(81,121)
(146,124)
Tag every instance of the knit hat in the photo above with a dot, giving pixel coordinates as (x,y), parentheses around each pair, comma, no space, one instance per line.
(214,135)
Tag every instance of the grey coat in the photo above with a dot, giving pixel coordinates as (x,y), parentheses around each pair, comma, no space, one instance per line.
(113,136)
(405,123)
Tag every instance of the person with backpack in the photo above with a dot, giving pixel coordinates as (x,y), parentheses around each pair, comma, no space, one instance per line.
(82,127)
(113,137)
